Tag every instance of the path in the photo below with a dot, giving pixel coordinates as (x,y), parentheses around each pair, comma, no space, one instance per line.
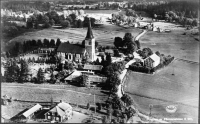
(140,35)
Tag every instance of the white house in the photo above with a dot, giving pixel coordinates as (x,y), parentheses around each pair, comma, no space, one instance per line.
(152,61)
(62,111)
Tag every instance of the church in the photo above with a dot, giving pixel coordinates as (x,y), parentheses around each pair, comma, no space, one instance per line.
(77,52)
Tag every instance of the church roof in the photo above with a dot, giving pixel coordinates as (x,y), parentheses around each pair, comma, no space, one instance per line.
(89,32)
(70,48)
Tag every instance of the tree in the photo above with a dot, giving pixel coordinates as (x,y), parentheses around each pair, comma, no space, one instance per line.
(118,42)
(52,22)
(58,42)
(131,47)
(45,19)
(113,79)
(194,22)
(23,73)
(29,23)
(69,66)
(65,24)
(46,42)
(40,76)
(108,59)
(79,24)
(53,78)
(127,100)
(39,43)
(52,43)
(127,38)
(116,53)
(12,71)
(73,16)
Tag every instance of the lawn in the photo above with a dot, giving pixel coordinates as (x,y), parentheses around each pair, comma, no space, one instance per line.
(166,89)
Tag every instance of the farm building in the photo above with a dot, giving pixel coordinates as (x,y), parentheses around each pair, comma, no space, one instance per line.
(59,113)
(30,112)
(93,67)
(76,52)
(152,61)
(89,79)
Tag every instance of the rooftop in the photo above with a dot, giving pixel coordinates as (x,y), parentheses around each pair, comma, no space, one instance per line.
(93,67)
(71,48)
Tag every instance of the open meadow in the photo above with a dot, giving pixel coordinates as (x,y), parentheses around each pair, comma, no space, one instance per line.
(163,89)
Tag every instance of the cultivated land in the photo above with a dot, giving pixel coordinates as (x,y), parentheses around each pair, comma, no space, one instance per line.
(163,89)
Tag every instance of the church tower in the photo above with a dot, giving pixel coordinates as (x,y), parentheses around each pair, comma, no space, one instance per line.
(90,43)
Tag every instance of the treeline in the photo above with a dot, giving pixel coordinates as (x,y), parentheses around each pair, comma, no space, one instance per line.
(187,9)
(26,6)
(31,45)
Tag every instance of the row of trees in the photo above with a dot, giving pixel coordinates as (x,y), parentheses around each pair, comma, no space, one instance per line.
(113,71)
(31,45)
(127,43)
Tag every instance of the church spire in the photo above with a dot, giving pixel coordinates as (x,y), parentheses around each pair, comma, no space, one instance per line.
(89,32)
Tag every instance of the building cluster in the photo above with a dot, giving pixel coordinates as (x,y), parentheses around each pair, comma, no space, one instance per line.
(56,113)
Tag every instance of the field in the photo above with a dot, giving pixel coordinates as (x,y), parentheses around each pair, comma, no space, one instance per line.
(173,43)
(30,94)
(163,89)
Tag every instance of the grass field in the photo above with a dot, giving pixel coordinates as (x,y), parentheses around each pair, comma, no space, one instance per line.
(30,94)
(163,88)
(173,43)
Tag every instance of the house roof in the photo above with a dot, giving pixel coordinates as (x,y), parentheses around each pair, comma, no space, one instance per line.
(71,48)
(93,67)
(56,109)
(32,110)
(109,51)
(73,75)
(154,57)
(96,78)
(65,106)
(60,108)
(89,31)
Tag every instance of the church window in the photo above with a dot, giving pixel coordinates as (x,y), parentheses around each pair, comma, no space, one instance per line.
(90,43)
